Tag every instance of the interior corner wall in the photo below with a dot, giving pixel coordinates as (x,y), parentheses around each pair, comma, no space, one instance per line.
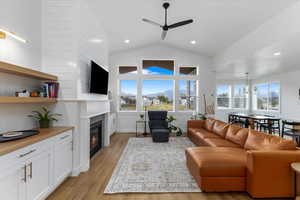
(93,45)
(289,93)
(24,18)
(134,57)
(279,28)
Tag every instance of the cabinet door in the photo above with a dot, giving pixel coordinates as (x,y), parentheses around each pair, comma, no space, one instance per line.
(39,176)
(12,182)
(62,161)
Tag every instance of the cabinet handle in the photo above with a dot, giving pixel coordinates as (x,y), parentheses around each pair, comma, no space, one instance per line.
(25,174)
(30,175)
(25,154)
(64,137)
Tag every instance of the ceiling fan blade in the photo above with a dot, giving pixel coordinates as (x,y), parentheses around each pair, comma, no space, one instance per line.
(181,23)
(164,35)
(152,22)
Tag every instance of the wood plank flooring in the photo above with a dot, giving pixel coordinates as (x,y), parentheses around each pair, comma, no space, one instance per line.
(90,185)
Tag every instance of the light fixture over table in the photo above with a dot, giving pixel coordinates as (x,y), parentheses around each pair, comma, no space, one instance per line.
(5,33)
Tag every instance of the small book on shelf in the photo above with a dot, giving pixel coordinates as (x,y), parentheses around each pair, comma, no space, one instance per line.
(51,89)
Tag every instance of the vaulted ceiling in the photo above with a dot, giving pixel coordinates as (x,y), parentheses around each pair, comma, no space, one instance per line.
(218,23)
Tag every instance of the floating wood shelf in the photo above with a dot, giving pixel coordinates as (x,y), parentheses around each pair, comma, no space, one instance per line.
(27,100)
(21,71)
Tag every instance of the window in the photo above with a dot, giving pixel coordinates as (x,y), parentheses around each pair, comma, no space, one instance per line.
(187,95)
(188,71)
(128,91)
(240,97)
(127,70)
(266,96)
(223,96)
(158,67)
(158,94)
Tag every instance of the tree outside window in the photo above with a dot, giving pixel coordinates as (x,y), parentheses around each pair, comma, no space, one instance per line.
(128,91)
(187,95)
(223,96)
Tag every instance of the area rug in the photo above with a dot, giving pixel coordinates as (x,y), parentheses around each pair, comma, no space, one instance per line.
(147,167)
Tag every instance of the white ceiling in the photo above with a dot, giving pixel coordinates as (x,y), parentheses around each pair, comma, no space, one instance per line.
(218,23)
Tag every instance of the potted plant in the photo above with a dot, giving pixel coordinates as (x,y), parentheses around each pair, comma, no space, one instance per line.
(198,116)
(172,127)
(44,117)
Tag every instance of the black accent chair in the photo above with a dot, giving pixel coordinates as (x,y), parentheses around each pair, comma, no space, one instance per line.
(159,127)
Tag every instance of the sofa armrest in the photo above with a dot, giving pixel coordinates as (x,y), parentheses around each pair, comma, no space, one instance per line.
(269,173)
(195,124)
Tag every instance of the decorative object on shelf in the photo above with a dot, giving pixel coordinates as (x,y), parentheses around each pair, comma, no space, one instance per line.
(24,93)
(172,127)
(209,109)
(44,117)
(142,116)
(198,116)
(50,89)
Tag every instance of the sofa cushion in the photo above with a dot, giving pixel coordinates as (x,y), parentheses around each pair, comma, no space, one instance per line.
(237,134)
(220,142)
(261,141)
(217,162)
(220,128)
(208,124)
(206,134)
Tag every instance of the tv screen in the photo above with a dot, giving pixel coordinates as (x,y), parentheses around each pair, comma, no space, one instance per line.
(99,79)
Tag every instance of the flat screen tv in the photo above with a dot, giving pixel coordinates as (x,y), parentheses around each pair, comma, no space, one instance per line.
(99,79)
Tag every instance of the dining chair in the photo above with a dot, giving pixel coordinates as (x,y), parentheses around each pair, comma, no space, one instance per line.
(288,129)
(274,123)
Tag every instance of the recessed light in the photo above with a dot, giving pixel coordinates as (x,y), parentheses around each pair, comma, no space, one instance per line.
(96,40)
(127,41)
(193,42)
(277,54)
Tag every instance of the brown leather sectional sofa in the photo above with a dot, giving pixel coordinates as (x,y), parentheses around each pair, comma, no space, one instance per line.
(231,158)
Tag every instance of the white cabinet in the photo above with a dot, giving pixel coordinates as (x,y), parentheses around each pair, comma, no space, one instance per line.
(63,152)
(39,176)
(33,172)
(12,182)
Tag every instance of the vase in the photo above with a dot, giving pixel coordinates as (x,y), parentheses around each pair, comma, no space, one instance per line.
(44,123)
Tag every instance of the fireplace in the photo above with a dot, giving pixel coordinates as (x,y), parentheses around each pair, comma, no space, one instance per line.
(96,136)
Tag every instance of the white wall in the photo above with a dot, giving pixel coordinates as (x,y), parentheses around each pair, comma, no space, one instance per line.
(290,99)
(254,53)
(67,30)
(222,114)
(134,57)
(93,45)
(24,18)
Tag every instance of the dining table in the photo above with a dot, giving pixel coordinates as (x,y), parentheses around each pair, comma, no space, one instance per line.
(251,118)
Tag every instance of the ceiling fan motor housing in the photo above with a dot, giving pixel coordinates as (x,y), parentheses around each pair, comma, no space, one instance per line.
(166,5)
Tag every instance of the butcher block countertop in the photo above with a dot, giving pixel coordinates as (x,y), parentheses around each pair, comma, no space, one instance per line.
(8,147)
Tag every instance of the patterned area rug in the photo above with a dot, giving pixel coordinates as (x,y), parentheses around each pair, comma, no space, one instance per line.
(147,167)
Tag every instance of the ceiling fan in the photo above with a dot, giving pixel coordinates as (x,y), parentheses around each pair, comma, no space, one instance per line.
(166,27)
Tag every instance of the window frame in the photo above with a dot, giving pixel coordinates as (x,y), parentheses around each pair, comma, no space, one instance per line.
(268,99)
(188,66)
(119,95)
(247,96)
(196,95)
(229,97)
(176,77)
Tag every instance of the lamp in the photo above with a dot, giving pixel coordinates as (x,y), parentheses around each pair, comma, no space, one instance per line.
(4,34)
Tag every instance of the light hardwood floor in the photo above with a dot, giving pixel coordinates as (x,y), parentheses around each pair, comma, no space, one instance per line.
(90,185)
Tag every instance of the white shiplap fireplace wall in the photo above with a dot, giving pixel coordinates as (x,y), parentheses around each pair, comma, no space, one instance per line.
(68,29)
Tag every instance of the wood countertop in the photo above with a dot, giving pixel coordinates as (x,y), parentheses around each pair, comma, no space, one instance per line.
(8,147)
